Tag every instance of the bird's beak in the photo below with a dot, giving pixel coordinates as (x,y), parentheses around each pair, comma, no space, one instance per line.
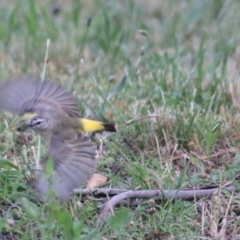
(23,122)
(21,125)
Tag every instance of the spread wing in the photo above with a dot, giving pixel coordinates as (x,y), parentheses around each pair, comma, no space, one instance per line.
(73,164)
(24,94)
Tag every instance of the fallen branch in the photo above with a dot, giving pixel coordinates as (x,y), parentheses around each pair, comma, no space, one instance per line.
(99,192)
(119,195)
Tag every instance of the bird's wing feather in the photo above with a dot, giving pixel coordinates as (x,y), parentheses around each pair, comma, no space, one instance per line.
(24,94)
(74,162)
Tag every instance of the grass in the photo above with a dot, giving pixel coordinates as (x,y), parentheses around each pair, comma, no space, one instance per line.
(178,60)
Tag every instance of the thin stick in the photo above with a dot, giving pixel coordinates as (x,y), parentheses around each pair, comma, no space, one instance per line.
(43,77)
(138,118)
(224,221)
(231,150)
(45,60)
(158,147)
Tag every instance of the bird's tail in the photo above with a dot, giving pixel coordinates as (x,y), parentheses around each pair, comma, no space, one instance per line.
(88,125)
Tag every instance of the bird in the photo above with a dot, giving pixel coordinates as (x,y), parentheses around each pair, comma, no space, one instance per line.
(52,111)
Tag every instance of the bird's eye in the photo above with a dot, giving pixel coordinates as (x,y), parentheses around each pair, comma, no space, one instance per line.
(35,121)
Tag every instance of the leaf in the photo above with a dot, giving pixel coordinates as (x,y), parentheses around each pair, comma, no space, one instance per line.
(6,163)
(117,89)
(120,219)
(30,208)
(96,180)
(31,19)
(49,167)
(64,219)
(196,162)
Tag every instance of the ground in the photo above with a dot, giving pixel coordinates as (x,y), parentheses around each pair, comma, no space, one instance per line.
(167,73)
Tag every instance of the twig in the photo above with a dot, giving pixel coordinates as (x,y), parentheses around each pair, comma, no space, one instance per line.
(45,60)
(224,221)
(221,152)
(138,118)
(127,203)
(204,157)
(42,78)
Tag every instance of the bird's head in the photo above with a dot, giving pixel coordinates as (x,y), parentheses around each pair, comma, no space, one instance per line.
(35,122)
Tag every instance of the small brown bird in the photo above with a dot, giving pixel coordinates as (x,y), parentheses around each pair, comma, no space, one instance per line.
(50,110)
